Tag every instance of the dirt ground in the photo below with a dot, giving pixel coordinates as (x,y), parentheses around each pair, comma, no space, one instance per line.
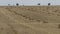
(29,19)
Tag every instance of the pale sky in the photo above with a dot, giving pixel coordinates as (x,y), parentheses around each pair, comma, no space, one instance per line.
(30,2)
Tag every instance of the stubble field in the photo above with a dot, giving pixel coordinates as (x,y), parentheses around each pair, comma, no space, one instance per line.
(29,19)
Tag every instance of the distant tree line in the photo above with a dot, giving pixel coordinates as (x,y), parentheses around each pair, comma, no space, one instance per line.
(48,4)
(17,4)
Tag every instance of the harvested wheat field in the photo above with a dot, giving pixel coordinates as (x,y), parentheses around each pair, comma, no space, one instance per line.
(29,19)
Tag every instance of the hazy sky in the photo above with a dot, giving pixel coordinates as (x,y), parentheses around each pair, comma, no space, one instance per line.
(27,2)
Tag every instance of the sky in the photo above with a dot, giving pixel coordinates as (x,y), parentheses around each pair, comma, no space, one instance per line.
(29,2)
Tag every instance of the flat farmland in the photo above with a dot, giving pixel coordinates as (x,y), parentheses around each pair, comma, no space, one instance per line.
(29,19)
